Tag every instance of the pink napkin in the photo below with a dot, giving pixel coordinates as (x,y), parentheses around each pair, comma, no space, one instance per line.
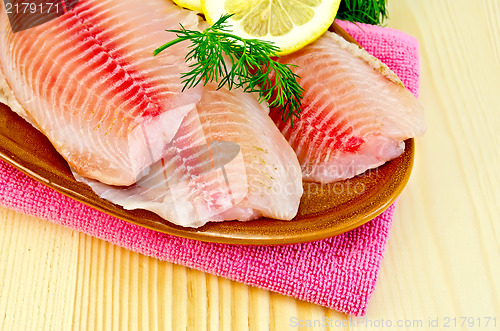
(338,272)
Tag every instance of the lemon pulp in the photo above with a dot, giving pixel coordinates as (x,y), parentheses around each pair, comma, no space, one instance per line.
(290,24)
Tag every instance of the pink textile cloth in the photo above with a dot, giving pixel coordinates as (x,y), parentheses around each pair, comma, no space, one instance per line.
(339,272)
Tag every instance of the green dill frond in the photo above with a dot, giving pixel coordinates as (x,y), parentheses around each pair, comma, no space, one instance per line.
(218,56)
(363,11)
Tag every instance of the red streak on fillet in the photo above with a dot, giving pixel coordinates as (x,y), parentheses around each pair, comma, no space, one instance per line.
(341,135)
(63,3)
(353,144)
(126,78)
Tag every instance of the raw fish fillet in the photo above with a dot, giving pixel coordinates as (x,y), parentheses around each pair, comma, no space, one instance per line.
(356,113)
(118,116)
(89,82)
(228,161)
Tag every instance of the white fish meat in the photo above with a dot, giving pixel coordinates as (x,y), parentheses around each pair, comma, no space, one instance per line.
(192,157)
(356,113)
(228,161)
(89,82)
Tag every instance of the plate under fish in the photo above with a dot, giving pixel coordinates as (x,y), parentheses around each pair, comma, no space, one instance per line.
(325,209)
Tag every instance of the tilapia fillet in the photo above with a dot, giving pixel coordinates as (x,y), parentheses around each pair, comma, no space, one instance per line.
(89,82)
(228,161)
(356,113)
(117,115)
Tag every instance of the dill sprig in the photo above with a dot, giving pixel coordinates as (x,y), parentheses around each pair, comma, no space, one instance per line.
(216,55)
(364,11)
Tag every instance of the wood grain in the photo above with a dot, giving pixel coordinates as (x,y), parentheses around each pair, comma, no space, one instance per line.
(443,257)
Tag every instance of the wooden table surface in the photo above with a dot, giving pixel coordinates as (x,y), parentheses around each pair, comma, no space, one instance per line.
(442,262)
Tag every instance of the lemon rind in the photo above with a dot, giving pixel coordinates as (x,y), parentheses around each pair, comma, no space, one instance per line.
(189,6)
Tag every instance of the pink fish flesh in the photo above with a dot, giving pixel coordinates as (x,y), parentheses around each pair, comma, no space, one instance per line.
(356,113)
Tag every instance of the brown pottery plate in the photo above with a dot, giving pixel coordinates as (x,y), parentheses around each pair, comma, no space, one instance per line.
(325,210)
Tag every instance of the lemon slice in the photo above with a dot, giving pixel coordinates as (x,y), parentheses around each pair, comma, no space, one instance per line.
(290,24)
(194,5)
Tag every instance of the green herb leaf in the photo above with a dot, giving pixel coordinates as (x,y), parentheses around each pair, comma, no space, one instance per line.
(363,11)
(218,56)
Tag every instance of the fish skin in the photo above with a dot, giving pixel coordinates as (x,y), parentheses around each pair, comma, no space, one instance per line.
(262,180)
(356,113)
(89,82)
